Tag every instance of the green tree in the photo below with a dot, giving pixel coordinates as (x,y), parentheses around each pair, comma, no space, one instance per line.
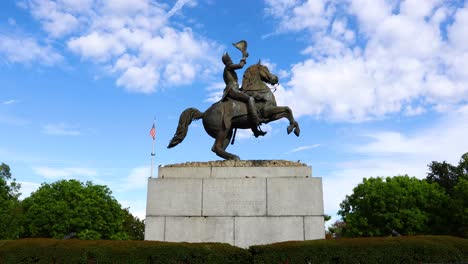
(10,210)
(460,206)
(69,206)
(454,180)
(404,204)
(448,175)
(336,229)
(444,174)
(133,227)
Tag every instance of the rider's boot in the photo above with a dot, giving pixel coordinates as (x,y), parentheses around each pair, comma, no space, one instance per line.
(258,132)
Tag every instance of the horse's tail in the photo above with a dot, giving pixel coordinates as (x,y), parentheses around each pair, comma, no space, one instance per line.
(187,116)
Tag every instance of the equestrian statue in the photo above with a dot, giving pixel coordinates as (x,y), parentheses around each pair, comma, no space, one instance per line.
(239,108)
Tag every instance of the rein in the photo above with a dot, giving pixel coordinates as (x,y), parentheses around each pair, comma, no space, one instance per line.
(274,88)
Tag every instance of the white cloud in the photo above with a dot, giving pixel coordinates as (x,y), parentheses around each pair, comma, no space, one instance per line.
(390,153)
(27,188)
(65,173)
(61,129)
(134,40)
(443,142)
(27,50)
(59,18)
(385,63)
(137,179)
(97,46)
(298,15)
(139,79)
(178,5)
(338,88)
(302,148)
(458,35)
(215,92)
(413,111)
(126,7)
(8,102)
(136,207)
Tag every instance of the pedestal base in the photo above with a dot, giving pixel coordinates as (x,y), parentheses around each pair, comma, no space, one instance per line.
(230,202)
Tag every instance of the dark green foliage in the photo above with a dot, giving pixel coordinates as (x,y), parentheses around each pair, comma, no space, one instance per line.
(424,249)
(64,207)
(336,229)
(380,206)
(460,205)
(134,252)
(437,205)
(407,250)
(10,209)
(447,175)
(454,180)
(133,227)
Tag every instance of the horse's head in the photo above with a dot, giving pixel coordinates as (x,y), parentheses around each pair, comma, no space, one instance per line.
(256,75)
(266,75)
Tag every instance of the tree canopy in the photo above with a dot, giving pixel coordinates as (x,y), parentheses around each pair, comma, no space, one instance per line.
(409,206)
(70,207)
(448,175)
(381,206)
(133,227)
(454,180)
(10,209)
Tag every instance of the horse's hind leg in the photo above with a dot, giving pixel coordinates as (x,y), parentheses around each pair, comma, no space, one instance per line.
(222,141)
(228,139)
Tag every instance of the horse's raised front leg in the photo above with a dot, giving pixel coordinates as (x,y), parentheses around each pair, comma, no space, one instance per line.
(222,141)
(278,112)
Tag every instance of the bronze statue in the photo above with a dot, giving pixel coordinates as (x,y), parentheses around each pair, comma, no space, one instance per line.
(232,86)
(235,109)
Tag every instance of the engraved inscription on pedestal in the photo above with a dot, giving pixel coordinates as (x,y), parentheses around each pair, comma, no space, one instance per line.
(234,197)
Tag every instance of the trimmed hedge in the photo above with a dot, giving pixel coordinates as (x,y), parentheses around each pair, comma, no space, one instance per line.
(418,249)
(55,251)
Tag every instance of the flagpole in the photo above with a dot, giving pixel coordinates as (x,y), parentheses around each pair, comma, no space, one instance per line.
(152,159)
(153,135)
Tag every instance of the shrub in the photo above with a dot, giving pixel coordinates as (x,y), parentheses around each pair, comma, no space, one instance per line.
(421,249)
(99,251)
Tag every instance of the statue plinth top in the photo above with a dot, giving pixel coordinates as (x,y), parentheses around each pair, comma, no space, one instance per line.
(240,163)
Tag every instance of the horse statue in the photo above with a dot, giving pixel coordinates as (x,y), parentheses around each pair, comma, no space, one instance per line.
(223,118)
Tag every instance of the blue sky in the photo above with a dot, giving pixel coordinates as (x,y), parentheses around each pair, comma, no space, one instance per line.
(379,87)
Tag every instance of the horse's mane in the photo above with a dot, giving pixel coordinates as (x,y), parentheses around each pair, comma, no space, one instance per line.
(251,77)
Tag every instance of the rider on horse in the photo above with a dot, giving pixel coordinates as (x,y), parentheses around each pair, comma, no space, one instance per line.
(232,88)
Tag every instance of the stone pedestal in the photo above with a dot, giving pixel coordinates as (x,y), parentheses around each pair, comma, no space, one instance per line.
(242,203)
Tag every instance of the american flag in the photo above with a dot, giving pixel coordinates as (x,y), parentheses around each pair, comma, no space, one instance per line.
(152,132)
